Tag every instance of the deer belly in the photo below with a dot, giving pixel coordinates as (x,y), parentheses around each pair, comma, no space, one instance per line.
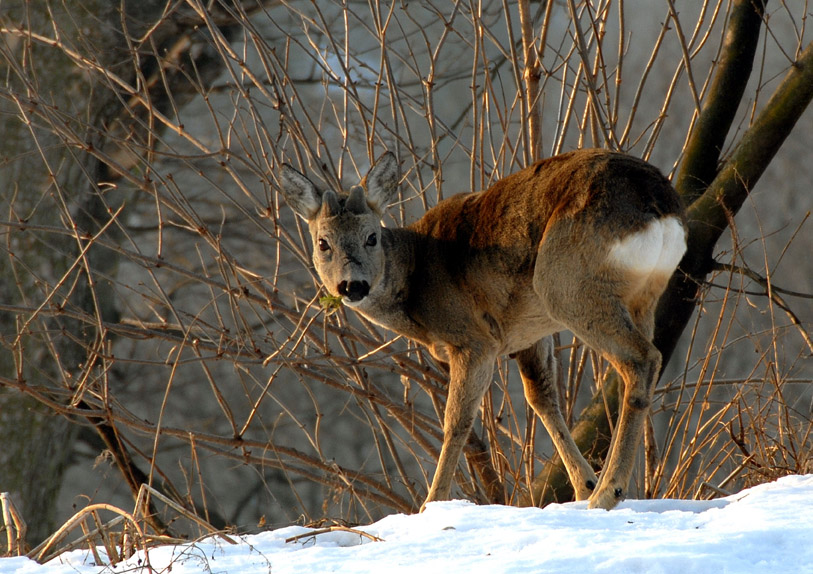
(528,325)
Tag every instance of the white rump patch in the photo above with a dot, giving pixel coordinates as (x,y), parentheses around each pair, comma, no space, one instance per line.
(658,247)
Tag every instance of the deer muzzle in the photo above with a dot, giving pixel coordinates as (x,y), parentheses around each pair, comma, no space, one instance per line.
(355,291)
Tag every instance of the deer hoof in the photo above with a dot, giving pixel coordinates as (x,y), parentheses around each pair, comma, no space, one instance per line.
(606,498)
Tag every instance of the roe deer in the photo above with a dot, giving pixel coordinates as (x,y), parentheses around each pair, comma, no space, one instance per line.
(585,241)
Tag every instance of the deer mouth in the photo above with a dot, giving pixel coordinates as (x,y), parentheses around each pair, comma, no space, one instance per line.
(353,291)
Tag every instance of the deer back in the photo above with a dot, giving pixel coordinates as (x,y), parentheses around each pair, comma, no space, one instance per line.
(604,194)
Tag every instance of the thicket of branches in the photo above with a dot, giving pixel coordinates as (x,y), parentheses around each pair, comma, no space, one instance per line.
(159,307)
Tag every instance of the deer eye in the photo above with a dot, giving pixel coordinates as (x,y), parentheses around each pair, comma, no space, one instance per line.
(323,244)
(372,240)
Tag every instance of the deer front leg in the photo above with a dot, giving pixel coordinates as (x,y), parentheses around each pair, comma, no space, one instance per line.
(469,376)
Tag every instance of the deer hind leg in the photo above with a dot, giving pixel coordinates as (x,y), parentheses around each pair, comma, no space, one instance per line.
(600,307)
(638,362)
(470,374)
(537,369)
(639,377)
(639,372)
(617,338)
(605,323)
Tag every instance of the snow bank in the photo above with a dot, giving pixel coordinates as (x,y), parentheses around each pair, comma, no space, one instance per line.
(768,528)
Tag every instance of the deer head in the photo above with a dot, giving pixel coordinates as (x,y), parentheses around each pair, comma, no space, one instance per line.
(346,228)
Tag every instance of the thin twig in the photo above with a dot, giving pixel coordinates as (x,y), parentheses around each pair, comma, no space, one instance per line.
(315,533)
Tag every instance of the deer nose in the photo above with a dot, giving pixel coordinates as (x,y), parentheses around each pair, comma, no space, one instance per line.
(354,290)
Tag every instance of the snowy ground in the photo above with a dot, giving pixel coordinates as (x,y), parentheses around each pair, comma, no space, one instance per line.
(768,528)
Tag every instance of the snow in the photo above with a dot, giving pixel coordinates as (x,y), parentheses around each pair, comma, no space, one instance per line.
(768,528)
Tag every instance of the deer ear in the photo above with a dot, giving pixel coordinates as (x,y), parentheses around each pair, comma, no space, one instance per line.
(299,192)
(381,182)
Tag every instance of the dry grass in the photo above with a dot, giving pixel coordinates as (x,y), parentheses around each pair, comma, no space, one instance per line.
(120,537)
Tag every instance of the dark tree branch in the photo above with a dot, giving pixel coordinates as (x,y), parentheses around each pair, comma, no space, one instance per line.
(709,215)
(727,192)
(703,149)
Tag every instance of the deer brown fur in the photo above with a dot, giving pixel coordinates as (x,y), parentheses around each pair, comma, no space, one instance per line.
(585,241)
